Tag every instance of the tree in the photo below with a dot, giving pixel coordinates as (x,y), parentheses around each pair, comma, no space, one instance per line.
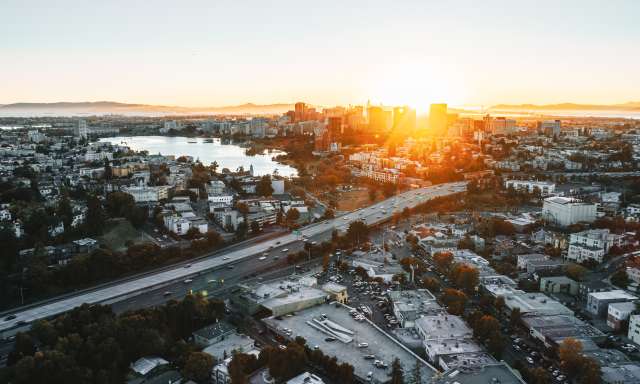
(358,232)
(292,216)
(328,214)
(454,300)
(198,366)
(620,278)
(515,317)
(263,187)
(417,374)
(397,374)
(570,354)
(576,272)
(65,211)
(325,262)
(465,277)
(372,194)
(443,260)
(255,227)
(431,284)
(10,247)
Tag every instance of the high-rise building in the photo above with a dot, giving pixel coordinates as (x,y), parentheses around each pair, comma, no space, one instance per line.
(334,125)
(438,119)
(300,112)
(81,129)
(377,119)
(502,126)
(550,128)
(404,119)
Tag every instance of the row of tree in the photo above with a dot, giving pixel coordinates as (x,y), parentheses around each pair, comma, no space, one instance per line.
(92,345)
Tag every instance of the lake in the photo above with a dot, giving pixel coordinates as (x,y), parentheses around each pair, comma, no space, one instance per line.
(230,156)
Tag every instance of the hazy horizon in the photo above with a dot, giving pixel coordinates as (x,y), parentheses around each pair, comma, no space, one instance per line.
(409,52)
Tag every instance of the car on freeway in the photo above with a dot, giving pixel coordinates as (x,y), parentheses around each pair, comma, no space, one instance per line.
(188,266)
(188,281)
(167,293)
(285,250)
(262,258)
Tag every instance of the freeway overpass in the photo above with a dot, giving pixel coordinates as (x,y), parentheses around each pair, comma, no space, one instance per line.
(372,215)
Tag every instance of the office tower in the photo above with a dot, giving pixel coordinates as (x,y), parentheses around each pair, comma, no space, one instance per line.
(334,125)
(550,128)
(81,129)
(404,119)
(502,126)
(300,112)
(377,119)
(438,119)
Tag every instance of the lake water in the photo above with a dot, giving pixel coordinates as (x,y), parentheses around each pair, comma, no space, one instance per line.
(227,155)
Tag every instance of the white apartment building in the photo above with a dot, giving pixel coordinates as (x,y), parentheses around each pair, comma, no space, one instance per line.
(634,328)
(145,194)
(546,188)
(592,244)
(217,200)
(565,211)
(215,187)
(97,156)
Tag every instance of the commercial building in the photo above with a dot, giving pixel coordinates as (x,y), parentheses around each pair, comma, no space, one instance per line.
(279,297)
(565,211)
(496,373)
(336,292)
(544,188)
(598,302)
(553,329)
(212,334)
(534,303)
(559,284)
(438,119)
(410,305)
(331,328)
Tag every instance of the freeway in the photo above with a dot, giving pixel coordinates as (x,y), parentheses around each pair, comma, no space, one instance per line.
(128,290)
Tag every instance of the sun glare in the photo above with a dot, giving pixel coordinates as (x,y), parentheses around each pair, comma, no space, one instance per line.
(416,86)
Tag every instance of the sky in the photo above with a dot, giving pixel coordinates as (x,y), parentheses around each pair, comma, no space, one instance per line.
(215,52)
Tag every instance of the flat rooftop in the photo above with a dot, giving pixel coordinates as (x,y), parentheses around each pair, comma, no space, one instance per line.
(491,373)
(382,346)
(536,303)
(612,295)
(443,326)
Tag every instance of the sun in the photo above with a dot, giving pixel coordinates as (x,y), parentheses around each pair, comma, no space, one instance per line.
(415,86)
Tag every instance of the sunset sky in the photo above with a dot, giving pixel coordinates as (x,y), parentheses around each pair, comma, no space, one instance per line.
(206,53)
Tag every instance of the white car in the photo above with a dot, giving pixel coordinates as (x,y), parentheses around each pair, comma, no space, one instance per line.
(262,258)
(285,250)
(188,281)
(363,345)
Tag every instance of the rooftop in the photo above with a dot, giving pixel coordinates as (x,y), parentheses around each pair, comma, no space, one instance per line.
(536,303)
(491,373)
(443,326)
(304,324)
(612,295)
(621,374)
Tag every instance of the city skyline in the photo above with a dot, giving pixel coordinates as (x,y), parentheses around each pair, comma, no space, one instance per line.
(412,53)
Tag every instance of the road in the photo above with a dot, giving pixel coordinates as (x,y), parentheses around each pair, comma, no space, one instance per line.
(167,279)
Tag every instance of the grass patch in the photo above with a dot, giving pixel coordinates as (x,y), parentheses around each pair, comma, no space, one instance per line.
(118,232)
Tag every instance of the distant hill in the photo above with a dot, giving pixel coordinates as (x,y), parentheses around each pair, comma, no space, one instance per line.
(630,106)
(106,107)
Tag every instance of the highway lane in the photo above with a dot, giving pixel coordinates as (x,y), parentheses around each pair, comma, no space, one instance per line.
(371,215)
